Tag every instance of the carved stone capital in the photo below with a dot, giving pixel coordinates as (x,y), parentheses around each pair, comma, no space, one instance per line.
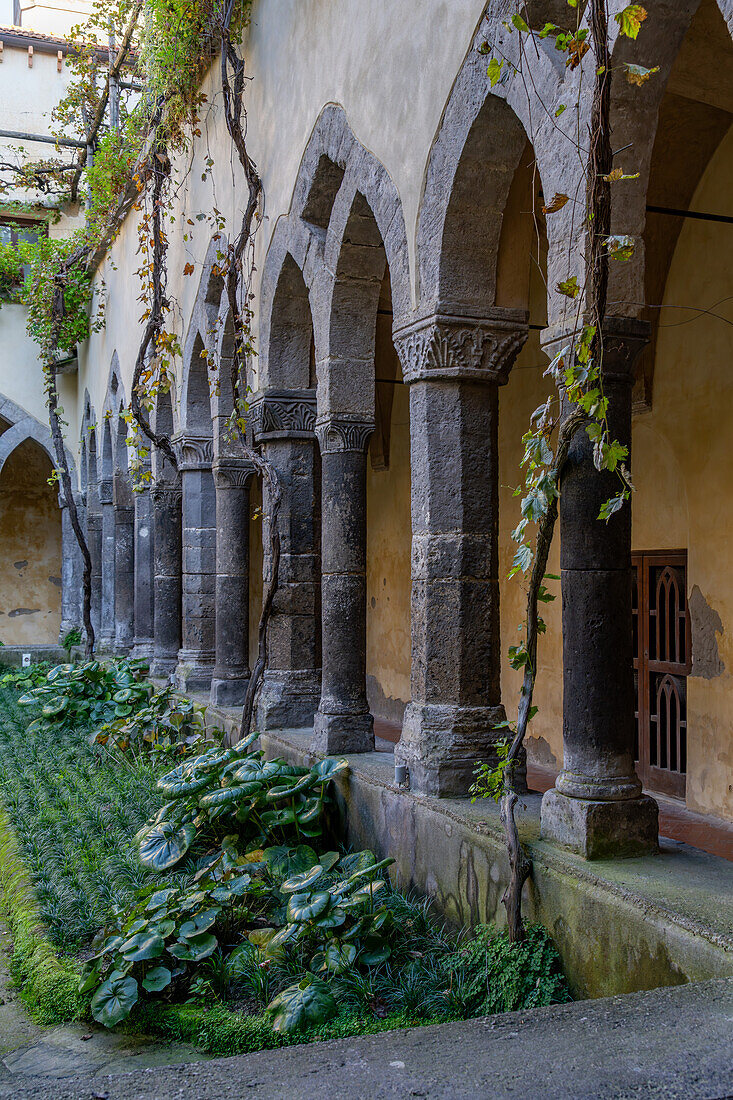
(165,492)
(344,435)
(233,474)
(105,490)
(624,339)
(447,347)
(195,452)
(283,414)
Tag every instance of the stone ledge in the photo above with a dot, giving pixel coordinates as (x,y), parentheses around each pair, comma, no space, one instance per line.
(621,926)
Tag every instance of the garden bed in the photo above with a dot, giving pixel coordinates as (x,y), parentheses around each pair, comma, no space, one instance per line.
(231,919)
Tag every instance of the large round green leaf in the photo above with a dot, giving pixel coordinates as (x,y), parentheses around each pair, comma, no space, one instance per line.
(195,948)
(224,795)
(165,845)
(160,899)
(198,924)
(114,1000)
(333,918)
(110,944)
(309,1002)
(375,951)
(242,961)
(288,790)
(303,907)
(336,958)
(282,936)
(157,979)
(356,861)
(284,861)
(55,707)
(59,671)
(303,881)
(143,946)
(309,813)
(325,770)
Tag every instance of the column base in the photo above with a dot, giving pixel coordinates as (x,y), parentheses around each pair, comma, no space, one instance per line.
(442,746)
(342,733)
(288,699)
(601,830)
(228,692)
(162,668)
(194,671)
(143,649)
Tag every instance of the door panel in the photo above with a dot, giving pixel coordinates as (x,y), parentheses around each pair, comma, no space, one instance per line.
(661,665)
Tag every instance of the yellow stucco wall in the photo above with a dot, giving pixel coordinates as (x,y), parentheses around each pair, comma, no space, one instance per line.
(30,550)
(682,455)
(681,469)
(389,535)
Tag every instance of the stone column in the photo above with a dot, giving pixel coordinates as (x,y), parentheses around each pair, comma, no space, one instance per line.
(231,670)
(94,541)
(106,638)
(72,567)
(124,510)
(167,564)
(144,573)
(343,722)
(454,366)
(284,425)
(596,806)
(196,657)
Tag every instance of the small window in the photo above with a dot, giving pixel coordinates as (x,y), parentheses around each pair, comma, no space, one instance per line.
(14,230)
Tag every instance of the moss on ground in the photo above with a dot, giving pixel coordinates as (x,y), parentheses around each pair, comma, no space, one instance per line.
(49,984)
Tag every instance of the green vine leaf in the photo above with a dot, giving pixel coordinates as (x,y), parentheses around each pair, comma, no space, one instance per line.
(630,20)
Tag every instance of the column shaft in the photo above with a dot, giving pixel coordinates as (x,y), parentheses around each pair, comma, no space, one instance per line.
(454,366)
(231,670)
(197,654)
(106,638)
(124,563)
(284,424)
(144,574)
(167,546)
(596,806)
(94,541)
(71,572)
(343,722)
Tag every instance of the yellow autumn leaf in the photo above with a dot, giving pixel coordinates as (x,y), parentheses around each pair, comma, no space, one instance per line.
(637,74)
(556,203)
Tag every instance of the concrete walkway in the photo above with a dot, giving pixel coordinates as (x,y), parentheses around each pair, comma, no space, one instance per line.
(674,1043)
(28,1049)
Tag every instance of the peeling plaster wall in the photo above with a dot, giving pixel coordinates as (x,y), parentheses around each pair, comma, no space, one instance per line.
(30,550)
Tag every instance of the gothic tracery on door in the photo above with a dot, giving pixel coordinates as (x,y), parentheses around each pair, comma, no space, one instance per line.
(661,665)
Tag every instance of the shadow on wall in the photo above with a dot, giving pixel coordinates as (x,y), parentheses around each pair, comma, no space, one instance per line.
(30,549)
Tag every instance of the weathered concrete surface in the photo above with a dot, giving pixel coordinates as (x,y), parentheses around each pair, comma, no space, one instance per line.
(29,1049)
(673,1043)
(620,925)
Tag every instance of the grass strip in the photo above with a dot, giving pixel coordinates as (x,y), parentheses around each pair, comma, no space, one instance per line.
(221,1032)
(49,984)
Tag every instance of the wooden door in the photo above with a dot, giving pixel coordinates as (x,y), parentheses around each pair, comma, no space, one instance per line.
(661,665)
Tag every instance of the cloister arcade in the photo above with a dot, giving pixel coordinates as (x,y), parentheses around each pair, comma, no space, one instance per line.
(393,383)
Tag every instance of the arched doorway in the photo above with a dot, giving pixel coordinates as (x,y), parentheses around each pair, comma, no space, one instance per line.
(30,546)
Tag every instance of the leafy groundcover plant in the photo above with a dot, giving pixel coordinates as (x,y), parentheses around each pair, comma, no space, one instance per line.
(195,890)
